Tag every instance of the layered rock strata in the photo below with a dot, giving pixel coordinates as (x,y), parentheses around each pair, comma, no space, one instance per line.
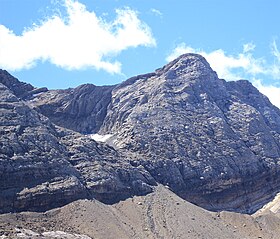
(214,143)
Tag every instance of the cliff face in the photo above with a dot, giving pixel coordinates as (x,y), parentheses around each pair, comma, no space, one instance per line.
(214,143)
(82,109)
(43,166)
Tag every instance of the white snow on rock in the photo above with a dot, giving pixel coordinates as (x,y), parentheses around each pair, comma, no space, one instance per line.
(100,138)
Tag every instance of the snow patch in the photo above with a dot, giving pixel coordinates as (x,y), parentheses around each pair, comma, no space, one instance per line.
(100,138)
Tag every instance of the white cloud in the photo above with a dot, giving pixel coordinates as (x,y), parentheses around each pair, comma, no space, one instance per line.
(241,66)
(248,47)
(226,65)
(272,92)
(275,50)
(180,49)
(275,69)
(78,40)
(156,12)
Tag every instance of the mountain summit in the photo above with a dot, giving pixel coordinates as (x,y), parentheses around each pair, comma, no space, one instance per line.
(186,65)
(212,142)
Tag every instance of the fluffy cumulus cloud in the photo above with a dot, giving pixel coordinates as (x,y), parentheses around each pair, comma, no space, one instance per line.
(227,66)
(78,40)
(241,66)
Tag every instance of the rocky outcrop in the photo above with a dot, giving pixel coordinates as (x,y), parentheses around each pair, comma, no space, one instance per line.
(215,143)
(212,142)
(82,109)
(20,89)
(43,166)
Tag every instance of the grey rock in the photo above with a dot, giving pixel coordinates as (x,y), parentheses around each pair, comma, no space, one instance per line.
(82,109)
(212,142)
(43,166)
(18,88)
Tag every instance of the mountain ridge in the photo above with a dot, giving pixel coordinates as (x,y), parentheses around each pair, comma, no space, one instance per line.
(214,143)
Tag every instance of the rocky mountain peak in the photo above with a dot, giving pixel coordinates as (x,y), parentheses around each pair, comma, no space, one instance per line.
(188,65)
(214,143)
(208,135)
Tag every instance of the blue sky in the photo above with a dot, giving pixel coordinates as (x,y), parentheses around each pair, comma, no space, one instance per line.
(65,43)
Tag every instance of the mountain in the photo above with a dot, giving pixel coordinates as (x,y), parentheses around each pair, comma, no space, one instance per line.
(213,143)
(44,166)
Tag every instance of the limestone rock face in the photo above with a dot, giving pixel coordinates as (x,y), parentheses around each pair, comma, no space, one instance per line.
(214,143)
(82,109)
(43,166)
